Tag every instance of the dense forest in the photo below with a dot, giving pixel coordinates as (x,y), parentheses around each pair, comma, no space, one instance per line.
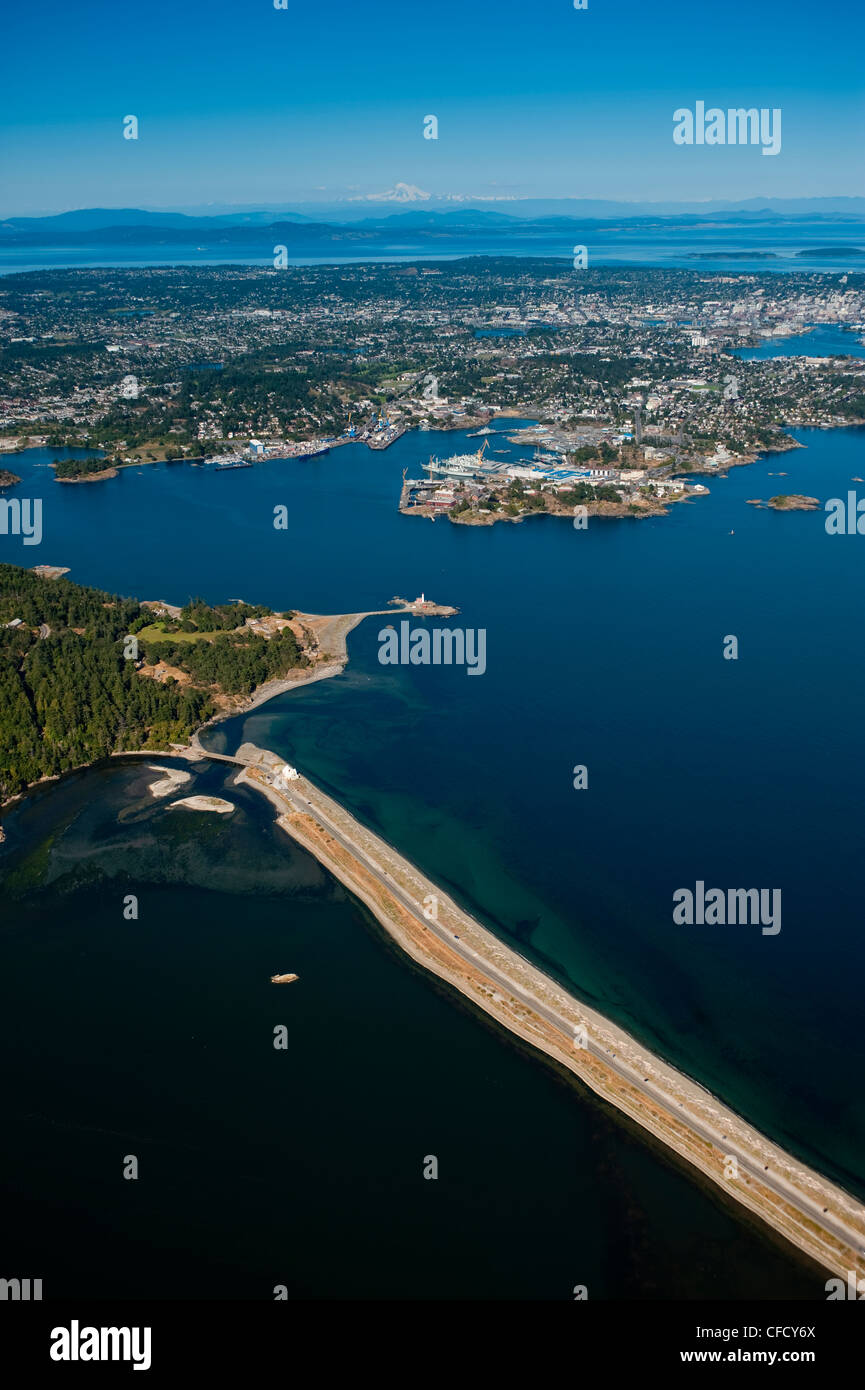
(198,616)
(236,663)
(69,696)
(65,469)
(234,659)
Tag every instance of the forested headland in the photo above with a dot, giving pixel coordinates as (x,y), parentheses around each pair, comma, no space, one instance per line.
(72,687)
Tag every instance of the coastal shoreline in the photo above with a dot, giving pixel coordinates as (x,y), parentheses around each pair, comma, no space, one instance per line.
(778,1188)
(615,511)
(677,1111)
(328,635)
(102,476)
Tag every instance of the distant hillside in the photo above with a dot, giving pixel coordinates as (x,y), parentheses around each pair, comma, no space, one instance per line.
(436,219)
(92,220)
(417,227)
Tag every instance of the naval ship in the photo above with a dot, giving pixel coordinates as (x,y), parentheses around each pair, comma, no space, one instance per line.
(464,466)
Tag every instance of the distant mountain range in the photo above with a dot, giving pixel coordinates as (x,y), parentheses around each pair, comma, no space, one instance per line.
(582,208)
(101,219)
(527,217)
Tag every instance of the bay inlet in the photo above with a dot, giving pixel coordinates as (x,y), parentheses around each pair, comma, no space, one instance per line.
(573,676)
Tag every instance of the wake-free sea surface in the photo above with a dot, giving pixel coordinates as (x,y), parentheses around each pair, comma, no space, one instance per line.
(824,340)
(712,248)
(604,648)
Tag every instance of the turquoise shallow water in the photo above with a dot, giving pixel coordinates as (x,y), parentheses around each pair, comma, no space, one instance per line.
(603,648)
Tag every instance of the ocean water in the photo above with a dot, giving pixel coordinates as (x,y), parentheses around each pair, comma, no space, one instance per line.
(604,648)
(740,774)
(300,1166)
(825,340)
(715,248)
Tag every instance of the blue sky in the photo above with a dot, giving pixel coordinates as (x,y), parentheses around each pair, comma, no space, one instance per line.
(242,103)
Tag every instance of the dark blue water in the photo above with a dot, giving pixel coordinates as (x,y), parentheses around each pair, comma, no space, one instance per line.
(604,648)
(301,1166)
(824,340)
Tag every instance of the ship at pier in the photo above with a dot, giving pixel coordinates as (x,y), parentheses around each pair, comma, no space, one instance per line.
(232,461)
(464,466)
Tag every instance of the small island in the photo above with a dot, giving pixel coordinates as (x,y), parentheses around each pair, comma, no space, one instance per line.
(793,502)
(828,253)
(215,804)
(8,479)
(731,256)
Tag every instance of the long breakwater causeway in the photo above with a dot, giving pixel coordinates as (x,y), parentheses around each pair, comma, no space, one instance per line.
(814,1214)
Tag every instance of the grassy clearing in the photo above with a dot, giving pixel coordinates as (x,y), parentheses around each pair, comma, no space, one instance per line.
(155,632)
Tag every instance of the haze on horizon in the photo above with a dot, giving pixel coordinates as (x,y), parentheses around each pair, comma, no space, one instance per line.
(244,104)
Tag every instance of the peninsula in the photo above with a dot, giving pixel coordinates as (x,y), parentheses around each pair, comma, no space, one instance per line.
(83,470)
(144,675)
(815,1215)
(245,654)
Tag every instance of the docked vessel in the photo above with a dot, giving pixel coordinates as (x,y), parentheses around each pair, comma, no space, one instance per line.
(540,457)
(232,461)
(312,452)
(382,439)
(458,465)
